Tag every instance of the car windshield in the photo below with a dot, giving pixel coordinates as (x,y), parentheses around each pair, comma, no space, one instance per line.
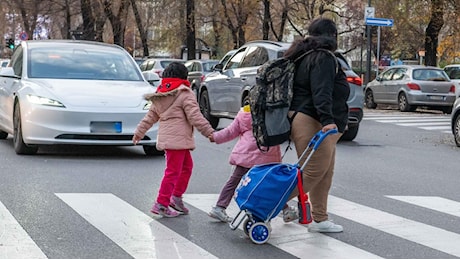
(453,72)
(208,66)
(82,63)
(430,75)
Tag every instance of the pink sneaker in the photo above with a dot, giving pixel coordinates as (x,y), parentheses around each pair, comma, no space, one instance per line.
(164,211)
(178,204)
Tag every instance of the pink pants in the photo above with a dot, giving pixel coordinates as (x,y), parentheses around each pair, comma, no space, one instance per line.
(179,165)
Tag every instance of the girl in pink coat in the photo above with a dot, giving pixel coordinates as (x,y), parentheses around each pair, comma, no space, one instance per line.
(174,105)
(245,154)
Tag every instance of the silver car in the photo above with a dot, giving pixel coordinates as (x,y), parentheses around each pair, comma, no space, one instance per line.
(197,71)
(411,86)
(72,92)
(453,71)
(224,91)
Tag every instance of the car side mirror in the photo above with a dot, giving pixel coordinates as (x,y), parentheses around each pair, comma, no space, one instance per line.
(152,78)
(218,67)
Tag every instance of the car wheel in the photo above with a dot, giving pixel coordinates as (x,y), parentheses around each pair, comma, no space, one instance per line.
(350,134)
(370,100)
(19,146)
(3,135)
(403,104)
(457,129)
(151,150)
(205,108)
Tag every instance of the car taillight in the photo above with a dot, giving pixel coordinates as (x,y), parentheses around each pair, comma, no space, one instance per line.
(413,86)
(202,78)
(452,89)
(355,80)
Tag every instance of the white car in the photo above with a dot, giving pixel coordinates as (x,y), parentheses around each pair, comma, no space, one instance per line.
(453,71)
(72,93)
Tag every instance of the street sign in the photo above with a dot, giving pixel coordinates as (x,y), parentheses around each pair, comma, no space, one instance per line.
(23,36)
(369,12)
(379,21)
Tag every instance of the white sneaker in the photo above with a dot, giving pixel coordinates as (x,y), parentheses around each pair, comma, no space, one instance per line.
(220,214)
(326,226)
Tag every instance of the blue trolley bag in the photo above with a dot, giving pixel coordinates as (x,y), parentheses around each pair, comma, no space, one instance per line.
(265,188)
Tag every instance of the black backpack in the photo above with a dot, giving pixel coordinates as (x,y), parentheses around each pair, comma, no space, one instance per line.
(270,99)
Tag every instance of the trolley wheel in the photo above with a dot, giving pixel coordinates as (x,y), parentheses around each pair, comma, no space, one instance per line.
(259,233)
(247,225)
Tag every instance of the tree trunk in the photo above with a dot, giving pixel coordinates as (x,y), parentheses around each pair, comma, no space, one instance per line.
(88,20)
(140,27)
(432,32)
(266,20)
(190,30)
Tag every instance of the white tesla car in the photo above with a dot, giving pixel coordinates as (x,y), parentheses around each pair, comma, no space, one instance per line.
(72,92)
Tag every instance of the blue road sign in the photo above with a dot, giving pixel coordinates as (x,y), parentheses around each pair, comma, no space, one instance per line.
(379,21)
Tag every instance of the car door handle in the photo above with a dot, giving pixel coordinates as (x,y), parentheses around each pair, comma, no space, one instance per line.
(244,78)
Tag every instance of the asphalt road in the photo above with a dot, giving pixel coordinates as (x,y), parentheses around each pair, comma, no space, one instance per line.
(395,191)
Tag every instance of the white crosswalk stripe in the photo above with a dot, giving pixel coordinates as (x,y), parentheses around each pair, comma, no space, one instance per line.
(138,234)
(142,236)
(430,123)
(15,243)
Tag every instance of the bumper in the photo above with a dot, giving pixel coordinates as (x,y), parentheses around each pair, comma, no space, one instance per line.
(52,125)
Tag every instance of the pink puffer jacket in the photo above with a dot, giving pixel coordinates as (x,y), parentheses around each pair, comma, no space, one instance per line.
(245,153)
(178,113)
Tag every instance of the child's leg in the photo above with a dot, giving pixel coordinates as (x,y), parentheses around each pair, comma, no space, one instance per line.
(174,163)
(229,188)
(186,173)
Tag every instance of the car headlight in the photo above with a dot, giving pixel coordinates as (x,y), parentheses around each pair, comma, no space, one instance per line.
(44,101)
(147,105)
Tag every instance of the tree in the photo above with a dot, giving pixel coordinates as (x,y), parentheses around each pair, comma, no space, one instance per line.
(190,29)
(432,32)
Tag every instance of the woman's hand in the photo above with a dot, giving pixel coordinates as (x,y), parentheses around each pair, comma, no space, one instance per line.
(328,127)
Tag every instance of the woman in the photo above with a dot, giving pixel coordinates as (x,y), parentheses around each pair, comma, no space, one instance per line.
(320,97)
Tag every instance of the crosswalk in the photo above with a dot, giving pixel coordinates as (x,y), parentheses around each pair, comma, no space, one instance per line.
(145,237)
(426,122)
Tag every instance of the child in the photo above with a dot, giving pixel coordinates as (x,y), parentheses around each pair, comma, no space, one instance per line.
(244,155)
(174,105)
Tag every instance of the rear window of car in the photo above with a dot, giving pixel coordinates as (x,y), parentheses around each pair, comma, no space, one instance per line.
(429,75)
(208,66)
(82,63)
(165,63)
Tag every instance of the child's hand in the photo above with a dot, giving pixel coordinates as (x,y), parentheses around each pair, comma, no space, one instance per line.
(211,138)
(136,139)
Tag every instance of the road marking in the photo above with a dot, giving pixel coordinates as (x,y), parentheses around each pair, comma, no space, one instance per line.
(406,118)
(135,232)
(424,124)
(14,240)
(292,238)
(411,120)
(434,203)
(433,237)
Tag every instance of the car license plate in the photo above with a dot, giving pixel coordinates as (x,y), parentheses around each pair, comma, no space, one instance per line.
(437,97)
(105,127)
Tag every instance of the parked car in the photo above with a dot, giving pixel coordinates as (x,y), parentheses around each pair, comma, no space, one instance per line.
(453,71)
(411,86)
(72,93)
(157,65)
(197,70)
(4,63)
(455,122)
(224,91)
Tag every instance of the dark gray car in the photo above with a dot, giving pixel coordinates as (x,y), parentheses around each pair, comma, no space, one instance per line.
(224,91)
(197,71)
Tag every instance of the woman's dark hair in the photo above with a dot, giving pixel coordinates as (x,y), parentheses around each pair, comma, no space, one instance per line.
(175,70)
(323,27)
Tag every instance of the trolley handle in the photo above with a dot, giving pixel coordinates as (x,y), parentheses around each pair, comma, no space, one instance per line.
(315,142)
(319,137)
